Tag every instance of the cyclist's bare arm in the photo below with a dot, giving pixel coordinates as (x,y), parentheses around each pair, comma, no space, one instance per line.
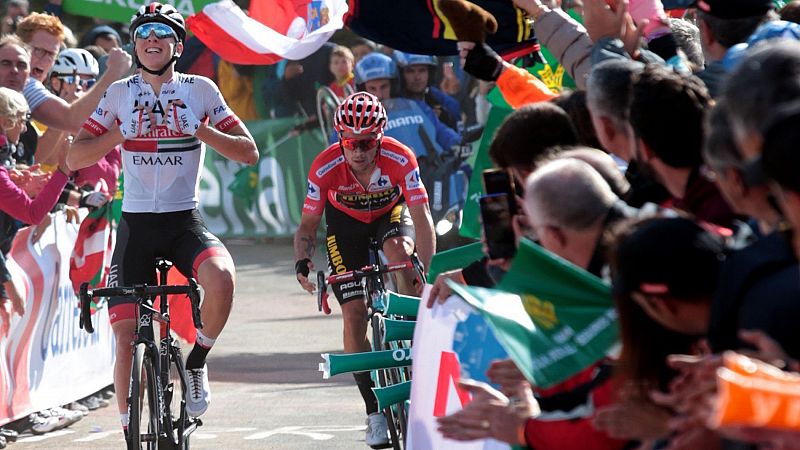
(425,235)
(87,148)
(305,245)
(235,144)
(61,115)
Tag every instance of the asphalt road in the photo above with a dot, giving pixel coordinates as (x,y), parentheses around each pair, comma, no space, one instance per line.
(267,392)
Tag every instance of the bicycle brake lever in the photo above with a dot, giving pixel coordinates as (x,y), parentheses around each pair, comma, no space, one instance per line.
(85,300)
(324,306)
(322,293)
(194,297)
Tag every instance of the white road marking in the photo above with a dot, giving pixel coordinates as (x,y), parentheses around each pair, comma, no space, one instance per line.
(204,430)
(203,436)
(299,431)
(314,432)
(98,436)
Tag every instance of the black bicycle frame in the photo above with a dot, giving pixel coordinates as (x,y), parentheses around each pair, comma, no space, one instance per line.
(166,349)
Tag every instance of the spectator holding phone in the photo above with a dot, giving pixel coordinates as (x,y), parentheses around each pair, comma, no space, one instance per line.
(569,207)
(524,136)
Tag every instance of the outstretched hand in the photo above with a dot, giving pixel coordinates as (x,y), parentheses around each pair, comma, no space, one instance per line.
(490,414)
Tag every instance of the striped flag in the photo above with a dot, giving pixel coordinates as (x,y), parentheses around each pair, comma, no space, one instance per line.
(274,29)
(91,257)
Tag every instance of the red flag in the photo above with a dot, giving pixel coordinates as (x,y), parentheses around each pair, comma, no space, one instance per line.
(180,309)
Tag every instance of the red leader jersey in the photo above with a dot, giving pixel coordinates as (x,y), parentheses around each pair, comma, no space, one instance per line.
(396,174)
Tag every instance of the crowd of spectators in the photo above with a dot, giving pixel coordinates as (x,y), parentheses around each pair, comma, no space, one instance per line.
(670,171)
(698,242)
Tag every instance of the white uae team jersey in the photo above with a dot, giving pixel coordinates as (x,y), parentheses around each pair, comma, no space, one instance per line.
(161,168)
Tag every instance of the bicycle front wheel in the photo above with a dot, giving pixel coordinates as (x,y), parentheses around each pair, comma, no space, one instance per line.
(176,399)
(381,378)
(143,402)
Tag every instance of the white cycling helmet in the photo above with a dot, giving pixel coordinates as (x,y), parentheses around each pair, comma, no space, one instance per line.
(75,61)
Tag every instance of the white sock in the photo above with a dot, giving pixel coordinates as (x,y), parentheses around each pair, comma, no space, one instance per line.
(123,418)
(204,341)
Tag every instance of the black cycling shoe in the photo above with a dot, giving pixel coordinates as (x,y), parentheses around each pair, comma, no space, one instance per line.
(10,435)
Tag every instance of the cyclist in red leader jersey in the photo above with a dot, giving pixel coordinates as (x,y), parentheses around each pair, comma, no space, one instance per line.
(366,185)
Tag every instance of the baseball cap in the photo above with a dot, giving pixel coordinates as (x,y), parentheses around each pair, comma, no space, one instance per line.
(667,256)
(734,9)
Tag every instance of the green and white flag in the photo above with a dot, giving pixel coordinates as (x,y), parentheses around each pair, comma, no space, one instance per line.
(553,319)
(123,10)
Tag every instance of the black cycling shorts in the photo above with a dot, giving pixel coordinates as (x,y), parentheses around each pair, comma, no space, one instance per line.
(347,243)
(180,237)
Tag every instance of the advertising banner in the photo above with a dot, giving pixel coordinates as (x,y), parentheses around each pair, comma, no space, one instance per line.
(266,199)
(47,360)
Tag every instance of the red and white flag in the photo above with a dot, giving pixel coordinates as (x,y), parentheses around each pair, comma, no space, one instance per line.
(274,29)
(91,257)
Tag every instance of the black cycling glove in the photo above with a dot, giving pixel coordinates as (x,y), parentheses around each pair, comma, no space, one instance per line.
(301,267)
(483,63)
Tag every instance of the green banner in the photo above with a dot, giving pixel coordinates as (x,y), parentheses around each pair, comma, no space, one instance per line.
(456,258)
(570,323)
(470,224)
(338,363)
(265,199)
(123,10)
(401,305)
(396,393)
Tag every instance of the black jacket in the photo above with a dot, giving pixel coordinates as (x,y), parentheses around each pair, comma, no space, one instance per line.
(759,289)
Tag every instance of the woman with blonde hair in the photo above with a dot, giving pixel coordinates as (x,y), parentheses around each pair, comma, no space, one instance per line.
(14,201)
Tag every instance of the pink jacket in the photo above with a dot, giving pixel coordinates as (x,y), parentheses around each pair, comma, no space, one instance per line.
(16,203)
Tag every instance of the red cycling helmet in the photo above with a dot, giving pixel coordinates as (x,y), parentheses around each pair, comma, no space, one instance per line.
(360,113)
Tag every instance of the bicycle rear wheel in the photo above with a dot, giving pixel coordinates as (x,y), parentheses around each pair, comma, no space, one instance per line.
(143,401)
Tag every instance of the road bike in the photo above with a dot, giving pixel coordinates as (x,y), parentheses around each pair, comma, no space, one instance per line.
(392,384)
(158,388)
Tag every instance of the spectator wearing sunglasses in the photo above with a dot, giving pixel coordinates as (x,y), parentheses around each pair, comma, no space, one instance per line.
(44,35)
(73,74)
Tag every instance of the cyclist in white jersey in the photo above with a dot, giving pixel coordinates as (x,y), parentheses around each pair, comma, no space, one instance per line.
(162,121)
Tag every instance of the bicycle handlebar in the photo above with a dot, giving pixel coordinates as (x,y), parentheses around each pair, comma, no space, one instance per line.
(372,269)
(140,291)
(357,275)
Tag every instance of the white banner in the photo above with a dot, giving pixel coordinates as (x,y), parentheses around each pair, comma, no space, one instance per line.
(47,360)
(436,368)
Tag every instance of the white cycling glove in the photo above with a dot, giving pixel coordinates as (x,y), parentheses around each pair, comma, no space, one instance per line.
(181,119)
(137,125)
(94,199)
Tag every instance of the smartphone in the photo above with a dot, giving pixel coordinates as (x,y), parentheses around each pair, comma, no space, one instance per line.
(499,181)
(496,217)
